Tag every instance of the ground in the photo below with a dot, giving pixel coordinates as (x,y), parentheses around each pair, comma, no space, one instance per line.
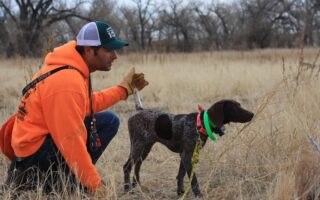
(269,158)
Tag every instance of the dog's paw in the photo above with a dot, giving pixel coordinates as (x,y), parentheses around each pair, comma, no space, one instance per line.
(180,191)
(127,187)
(198,194)
(134,184)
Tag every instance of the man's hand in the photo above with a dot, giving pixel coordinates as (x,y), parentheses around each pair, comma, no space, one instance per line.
(132,80)
(102,192)
(139,82)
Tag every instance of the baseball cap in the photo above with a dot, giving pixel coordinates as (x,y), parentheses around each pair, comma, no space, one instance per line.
(99,33)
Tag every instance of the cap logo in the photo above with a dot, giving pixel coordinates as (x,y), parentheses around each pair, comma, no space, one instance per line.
(110,32)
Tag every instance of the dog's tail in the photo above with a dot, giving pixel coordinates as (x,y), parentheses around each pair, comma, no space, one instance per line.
(137,99)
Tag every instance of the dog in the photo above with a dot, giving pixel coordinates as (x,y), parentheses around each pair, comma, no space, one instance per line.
(179,133)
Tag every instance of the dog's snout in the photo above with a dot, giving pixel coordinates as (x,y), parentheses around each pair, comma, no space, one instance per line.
(249,115)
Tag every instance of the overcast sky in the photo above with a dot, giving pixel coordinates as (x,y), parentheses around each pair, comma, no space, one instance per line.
(121,2)
(161,2)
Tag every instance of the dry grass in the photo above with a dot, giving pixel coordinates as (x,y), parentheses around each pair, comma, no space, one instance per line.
(270,158)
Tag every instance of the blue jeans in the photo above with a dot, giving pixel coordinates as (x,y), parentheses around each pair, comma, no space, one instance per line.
(107,124)
(48,162)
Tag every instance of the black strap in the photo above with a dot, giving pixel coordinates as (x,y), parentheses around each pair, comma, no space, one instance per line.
(33,83)
(90,98)
(94,139)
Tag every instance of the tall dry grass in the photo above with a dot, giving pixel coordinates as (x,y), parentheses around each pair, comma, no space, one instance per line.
(270,158)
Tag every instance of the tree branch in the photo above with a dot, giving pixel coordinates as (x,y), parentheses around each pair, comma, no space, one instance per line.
(59,17)
(8,11)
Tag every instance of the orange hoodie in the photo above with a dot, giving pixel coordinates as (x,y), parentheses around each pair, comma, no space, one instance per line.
(58,105)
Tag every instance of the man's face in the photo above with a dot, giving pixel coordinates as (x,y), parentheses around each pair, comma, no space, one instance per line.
(100,59)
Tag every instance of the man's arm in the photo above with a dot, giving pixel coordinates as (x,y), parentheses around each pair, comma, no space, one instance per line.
(108,97)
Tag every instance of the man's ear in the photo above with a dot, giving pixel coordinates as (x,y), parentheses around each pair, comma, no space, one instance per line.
(88,55)
(87,49)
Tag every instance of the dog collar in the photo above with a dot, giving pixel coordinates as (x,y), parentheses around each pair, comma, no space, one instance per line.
(207,124)
(206,130)
(200,127)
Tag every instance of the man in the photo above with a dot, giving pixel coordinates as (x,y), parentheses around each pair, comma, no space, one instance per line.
(49,134)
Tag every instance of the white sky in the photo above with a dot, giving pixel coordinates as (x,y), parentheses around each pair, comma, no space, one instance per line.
(130,2)
(161,2)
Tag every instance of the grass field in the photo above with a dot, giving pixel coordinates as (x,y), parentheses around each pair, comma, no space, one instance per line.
(269,158)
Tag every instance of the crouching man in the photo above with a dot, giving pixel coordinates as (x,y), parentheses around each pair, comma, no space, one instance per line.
(59,126)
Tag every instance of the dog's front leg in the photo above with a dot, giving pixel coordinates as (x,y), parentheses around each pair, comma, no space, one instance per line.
(180,177)
(186,158)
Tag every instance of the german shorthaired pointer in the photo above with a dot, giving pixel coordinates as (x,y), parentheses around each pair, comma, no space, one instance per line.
(178,133)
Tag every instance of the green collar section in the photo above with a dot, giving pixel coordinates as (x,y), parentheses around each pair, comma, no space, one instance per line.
(207,124)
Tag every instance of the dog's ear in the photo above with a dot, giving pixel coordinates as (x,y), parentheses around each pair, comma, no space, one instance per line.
(216,113)
(163,127)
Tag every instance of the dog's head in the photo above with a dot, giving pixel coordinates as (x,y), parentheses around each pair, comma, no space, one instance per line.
(220,113)
(225,111)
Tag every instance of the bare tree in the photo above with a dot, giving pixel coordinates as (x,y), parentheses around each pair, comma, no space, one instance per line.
(209,25)
(144,16)
(131,26)
(140,21)
(172,25)
(4,36)
(218,21)
(106,10)
(311,10)
(180,17)
(34,17)
(260,18)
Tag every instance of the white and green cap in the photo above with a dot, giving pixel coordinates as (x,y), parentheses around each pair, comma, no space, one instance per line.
(99,34)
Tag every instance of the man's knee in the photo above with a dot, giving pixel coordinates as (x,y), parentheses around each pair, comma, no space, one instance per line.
(115,123)
(108,122)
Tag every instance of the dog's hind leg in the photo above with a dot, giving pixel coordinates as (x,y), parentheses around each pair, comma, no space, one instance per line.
(143,153)
(180,177)
(126,171)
